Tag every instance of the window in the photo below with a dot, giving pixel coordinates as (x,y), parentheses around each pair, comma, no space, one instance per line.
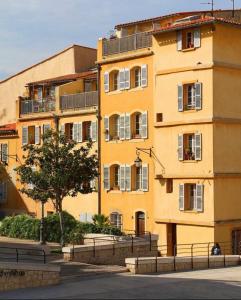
(159,117)
(30,135)
(137,77)
(86,131)
(138,122)
(191,197)
(86,217)
(188,39)
(169,185)
(115,177)
(116,220)
(190,146)
(114,131)
(138,183)
(68,130)
(113,79)
(190,96)
(40,93)
(4,153)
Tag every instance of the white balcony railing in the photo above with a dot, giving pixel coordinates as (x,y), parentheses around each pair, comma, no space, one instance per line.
(29,106)
(79,101)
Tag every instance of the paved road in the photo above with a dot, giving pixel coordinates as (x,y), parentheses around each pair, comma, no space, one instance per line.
(206,284)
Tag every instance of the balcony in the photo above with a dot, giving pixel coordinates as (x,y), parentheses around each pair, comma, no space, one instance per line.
(128,43)
(79,101)
(29,106)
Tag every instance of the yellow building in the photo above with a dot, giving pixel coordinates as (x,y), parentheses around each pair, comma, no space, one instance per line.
(68,102)
(176,80)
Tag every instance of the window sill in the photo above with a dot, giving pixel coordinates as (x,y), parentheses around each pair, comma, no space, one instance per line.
(190,161)
(135,89)
(136,140)
(115,141)
(192,212)
(136,193)
(114,92)
(115,192)
(188,49)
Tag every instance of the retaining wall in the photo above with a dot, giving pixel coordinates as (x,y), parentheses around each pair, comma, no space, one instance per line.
(23,275)
(169,264)
(111,253)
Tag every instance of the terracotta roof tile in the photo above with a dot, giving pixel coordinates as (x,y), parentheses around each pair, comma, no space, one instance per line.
(8,130)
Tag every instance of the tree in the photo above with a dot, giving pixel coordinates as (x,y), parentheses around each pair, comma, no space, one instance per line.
(56,169)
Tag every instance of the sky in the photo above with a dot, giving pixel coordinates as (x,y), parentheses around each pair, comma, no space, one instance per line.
(32,30)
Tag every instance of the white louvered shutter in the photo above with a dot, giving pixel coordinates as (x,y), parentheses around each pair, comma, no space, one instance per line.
(107,128)
(127,126)
(199,197)
(4,153)
(181,196)
(106,177)
(83,217)
(122,79)
(80,133)
(62,129)
(122,178)
(89,218)
(122,127)
(180,147)
(180,97)
(144,125)
(127,79)
(94,131)
(144,75)
(198,95)
(24,135)
(106,82)
(75,132)
(179,40)
(197,38)
(128,177)
(198,146)
(37,135)
(145,177)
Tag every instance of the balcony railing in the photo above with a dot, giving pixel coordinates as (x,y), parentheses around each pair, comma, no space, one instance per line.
(79,101)
(30,106)
(127,43)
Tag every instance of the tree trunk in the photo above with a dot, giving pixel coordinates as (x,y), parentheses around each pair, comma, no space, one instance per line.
(61,222)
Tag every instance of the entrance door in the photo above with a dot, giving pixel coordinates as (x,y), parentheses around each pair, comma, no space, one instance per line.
(140,223)
(236,241)
(171,238)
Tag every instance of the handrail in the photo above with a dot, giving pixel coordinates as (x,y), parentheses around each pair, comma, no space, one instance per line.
(18,255)
(79,100)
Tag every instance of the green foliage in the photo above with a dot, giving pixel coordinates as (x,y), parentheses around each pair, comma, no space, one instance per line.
(76,236)
(101,220)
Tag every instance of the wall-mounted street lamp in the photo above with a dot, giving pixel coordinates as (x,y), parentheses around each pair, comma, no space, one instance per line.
(138,160)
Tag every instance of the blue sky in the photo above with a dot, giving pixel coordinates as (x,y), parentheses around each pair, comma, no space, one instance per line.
(31,30)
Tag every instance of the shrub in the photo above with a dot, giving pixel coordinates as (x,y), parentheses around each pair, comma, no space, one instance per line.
(76,236)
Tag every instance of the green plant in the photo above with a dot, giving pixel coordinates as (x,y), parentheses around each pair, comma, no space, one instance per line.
(101,220)
(76,236)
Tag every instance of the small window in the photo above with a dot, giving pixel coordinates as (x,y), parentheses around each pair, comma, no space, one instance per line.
(169,185)
(68,130)
(31,135)
(159,117)
(190,197)
(189,146)
(114,127)
(116,220)
(114,80)
(137,126)
(86,131)
(115,177)
(189,96)
(189,40)
(138,183)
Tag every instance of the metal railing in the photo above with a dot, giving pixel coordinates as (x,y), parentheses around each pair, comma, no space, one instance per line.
(127,43)
(79,101)
(194,250)
(30,106)
(22,255)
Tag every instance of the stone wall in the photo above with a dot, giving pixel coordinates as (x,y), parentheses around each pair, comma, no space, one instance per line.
(169,264)
(23,275)
(112,253)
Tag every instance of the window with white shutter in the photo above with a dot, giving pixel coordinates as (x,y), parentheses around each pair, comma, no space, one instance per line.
(127,126)
(83,217)
(122,127)
(37,135)
(122,79)
(106,177)
(180,147)
(197,38)
(106,82)
(198,95)
(24,135)
(107,128)
(199,197)
(179,40)
(80,132)
(122,178)
(198,146)
(75,132)
(144,127)
(180,97)
(145,177)
(127,79)
(89,218)
(181,196)
(4,153)
(46,127)
(144,75)
(128,178)
(62,129)
(94,131)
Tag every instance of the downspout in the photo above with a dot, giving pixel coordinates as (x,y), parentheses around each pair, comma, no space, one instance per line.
(99,136)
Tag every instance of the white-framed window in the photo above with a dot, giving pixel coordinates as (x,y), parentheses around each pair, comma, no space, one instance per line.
(116,220)
(31,135)
(138,178)
(191,197)
(188,39)
(4,152)
(190,146)
(190,96)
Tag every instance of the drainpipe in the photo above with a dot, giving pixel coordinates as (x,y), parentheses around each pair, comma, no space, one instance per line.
(99,136)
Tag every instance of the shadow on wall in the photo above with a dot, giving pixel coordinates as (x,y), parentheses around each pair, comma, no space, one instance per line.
(3,114)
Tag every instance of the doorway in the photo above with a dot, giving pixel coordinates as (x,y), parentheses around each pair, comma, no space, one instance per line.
(236,241)
(171,238)
(140,223)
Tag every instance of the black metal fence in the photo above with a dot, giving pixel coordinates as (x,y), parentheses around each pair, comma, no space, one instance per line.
(30,255)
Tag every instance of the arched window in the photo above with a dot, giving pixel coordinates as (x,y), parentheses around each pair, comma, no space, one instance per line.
(115,177)
(136,125)
(114,80)
(114,127)
(136,77)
